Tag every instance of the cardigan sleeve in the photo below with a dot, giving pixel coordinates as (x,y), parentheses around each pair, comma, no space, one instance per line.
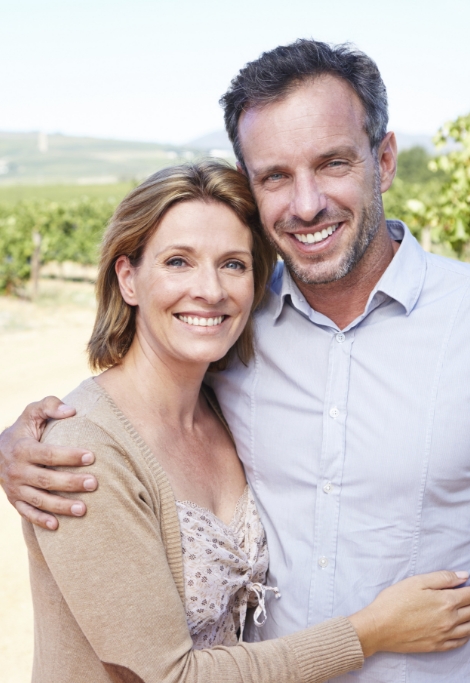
(111,570)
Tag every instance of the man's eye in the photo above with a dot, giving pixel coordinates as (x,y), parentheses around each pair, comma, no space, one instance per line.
(336,163)
(176,262)
(275,176)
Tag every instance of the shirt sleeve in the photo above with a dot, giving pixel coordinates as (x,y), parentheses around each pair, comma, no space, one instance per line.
(112,571)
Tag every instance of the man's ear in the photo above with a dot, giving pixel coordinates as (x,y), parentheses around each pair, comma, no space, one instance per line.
(126,277)
(387,156)
(240,169)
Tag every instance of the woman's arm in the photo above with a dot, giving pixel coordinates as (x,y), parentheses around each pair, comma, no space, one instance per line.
(112,572)
(418,614)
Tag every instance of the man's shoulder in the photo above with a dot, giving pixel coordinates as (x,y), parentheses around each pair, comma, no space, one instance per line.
(450,266)
(446,286)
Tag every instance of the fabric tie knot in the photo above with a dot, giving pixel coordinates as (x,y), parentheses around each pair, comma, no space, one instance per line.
(260,591)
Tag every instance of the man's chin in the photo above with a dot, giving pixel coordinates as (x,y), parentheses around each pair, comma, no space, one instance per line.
(316,271)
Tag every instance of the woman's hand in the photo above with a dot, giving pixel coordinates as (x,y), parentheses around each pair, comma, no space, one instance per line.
(419,614)
(24,464)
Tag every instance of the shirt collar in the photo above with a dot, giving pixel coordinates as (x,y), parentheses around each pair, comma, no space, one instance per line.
(402,280)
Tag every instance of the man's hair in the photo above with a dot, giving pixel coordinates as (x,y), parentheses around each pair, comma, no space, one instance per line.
(278,72)
(134,222)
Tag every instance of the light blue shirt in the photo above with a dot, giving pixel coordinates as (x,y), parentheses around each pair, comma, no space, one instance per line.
(357,446)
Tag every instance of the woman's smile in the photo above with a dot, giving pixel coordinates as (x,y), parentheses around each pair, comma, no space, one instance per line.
(201,319)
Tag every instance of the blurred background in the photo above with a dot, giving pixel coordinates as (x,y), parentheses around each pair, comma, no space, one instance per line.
(97,95)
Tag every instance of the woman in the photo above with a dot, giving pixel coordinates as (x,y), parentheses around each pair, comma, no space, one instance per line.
(172,550)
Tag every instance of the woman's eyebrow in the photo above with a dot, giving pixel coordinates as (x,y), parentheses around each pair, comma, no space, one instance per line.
(192,250)
(178,247)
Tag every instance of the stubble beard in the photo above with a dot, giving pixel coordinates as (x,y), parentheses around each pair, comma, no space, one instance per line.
(369,224)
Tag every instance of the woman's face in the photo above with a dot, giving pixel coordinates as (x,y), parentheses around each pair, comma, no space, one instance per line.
(194,286)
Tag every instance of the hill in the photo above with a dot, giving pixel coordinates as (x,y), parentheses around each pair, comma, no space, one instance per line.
(36,158)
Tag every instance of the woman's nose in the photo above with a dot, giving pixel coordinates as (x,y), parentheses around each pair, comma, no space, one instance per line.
(207,285)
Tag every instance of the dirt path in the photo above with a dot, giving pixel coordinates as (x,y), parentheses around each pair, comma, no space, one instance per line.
(41,352)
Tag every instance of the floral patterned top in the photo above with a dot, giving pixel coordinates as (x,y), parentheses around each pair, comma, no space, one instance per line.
(225,566)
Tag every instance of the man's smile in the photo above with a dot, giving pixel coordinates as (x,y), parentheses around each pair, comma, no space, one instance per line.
(317,236)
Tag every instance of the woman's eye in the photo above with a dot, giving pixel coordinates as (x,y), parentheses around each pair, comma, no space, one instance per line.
(176,262)
(235,265)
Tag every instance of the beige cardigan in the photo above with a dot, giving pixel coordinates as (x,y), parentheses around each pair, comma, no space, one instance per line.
(108,589)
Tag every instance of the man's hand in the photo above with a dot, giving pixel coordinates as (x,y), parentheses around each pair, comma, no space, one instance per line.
(25,464)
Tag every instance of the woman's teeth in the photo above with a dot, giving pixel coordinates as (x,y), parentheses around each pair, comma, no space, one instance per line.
(203,322)
(319,236)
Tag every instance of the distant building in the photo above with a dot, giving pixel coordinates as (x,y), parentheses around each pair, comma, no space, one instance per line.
(43,142)
(222,153)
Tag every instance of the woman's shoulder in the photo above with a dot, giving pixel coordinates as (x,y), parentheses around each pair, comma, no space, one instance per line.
(94,417)
(85,398)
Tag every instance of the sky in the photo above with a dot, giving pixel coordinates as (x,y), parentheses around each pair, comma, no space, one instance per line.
(154,69)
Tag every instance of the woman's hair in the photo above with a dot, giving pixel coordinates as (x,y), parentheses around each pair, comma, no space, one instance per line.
(133,224)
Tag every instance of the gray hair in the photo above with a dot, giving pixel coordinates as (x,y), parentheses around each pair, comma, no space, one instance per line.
(277,72)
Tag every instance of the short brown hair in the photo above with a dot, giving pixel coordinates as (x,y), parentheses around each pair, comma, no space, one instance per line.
(278,72)
(133,224)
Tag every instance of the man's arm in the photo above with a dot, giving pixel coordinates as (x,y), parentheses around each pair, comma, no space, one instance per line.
(25,464)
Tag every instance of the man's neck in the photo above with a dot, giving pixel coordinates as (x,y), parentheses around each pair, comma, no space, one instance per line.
(344,300)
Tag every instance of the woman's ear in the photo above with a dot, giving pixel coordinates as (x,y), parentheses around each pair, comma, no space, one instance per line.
(126,277)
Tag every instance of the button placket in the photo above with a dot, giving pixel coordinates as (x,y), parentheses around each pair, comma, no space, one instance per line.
(332,455)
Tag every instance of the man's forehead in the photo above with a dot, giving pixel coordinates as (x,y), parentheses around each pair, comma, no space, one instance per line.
(325,107)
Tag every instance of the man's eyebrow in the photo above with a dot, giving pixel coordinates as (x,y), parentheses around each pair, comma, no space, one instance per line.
(343,151)
(263,172)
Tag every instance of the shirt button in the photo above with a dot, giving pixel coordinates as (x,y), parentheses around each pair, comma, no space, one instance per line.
(328,487)
(323,562)
(334,412)
(340,337)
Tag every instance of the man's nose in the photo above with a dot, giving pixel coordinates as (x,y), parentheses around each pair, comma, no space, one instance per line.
(308,198)
(207,285)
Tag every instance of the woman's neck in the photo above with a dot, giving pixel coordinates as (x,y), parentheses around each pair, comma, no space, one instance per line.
(149,388)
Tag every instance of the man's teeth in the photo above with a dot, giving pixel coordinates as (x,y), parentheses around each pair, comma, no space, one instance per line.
(203,322)
(319,236)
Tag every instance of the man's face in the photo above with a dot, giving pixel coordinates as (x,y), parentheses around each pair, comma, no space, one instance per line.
(316,181)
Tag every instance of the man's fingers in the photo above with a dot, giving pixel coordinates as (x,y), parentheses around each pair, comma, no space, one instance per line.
(35,516)
(50,502)
(49,407)
(53,480)
(51,456)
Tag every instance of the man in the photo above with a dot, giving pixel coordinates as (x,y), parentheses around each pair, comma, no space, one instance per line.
(351,420)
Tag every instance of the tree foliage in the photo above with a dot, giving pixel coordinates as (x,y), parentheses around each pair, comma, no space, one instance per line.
(69,231)
(432,195)
(449,214)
